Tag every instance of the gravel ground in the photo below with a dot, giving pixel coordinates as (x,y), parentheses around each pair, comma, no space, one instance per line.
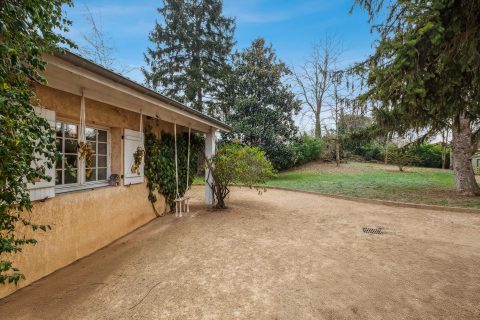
(281,255)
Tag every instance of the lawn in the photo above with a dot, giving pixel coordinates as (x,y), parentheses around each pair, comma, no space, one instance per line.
(377,181)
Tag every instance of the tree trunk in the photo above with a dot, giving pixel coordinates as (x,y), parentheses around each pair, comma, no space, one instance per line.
(318,127)
(461,149)
(386,149)
(337,152)
(444,148)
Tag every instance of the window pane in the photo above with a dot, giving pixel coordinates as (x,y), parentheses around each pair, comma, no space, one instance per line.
(70,176)
(102,148)
(92,177)
(59,161)
(91,134)
(102,135)
(70,146)
(94,147)
(58,145)
(102,174)
(71,161)
(102,161)
(58,129)
(58,177)
(70,130)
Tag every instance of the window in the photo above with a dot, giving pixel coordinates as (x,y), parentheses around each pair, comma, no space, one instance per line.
(68,166)
(67,140)
(98,140)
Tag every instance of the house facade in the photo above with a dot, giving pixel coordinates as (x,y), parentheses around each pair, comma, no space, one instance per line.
(90,205)
(476,162)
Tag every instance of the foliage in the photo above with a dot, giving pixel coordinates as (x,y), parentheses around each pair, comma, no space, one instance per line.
(160,164)
(259,105)
(425,70)
(430,155)
(307,149)
(191,48)
(234,163)
(403,157)
(28,30)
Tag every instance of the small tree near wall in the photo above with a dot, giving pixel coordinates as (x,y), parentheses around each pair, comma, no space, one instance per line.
(238,164)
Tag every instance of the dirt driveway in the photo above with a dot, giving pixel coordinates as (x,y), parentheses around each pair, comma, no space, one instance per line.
(282,255)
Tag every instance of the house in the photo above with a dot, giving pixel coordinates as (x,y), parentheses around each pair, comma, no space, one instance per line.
(476,162)
(85,211)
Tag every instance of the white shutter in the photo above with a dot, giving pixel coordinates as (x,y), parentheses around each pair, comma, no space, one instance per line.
(44,189)
(132,140)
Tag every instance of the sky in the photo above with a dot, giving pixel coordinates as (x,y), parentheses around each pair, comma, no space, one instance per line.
(292,26)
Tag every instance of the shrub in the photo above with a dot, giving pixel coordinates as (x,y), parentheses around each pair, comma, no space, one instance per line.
(430,155)
(281,156)
(402,158)
(307,149)
(234,163)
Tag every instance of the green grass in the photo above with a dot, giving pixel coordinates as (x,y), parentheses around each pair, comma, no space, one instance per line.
(418,185)
(376,181)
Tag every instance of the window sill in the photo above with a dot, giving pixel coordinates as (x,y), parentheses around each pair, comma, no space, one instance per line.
(80,187)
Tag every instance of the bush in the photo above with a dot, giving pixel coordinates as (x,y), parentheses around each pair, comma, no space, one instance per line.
(281,156)
(430,155)
(371,151)
(307,149)
(234,163)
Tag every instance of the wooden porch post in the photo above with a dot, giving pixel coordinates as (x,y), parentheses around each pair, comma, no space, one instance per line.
(210,144)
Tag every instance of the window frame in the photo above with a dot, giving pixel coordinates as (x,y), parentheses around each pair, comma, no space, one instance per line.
(62,188)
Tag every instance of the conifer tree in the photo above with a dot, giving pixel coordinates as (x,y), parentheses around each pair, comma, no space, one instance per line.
(425,73)
(191,45)
(259,105)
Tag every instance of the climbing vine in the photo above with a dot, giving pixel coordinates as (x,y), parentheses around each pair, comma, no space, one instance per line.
(160,163)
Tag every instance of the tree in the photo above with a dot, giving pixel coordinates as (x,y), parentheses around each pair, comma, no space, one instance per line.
(191,47)
(425,72)
(28,30)
(402,157)
(97,47)
(259,105)
(234,163)
(314,79)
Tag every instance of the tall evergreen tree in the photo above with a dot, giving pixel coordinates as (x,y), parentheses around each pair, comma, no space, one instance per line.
(192,43)
(425,73)
(258,104)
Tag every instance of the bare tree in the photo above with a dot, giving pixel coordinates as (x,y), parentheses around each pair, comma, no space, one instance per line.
(97,46)
(314,81)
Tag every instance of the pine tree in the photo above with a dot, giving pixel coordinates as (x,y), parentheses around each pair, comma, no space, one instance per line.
(192,44)
(259,105)
(425,73)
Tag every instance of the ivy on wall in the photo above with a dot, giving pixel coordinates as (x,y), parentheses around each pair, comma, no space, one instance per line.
(160,163)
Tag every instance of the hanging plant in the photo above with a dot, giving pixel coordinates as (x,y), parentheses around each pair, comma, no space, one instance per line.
(85,151)
(160,164)
(138,158)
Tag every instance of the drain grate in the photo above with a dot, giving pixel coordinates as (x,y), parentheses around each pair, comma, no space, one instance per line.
(369,230)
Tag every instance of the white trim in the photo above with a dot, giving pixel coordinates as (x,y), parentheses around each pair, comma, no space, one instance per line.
(100,81)
(78,187)
(60,188)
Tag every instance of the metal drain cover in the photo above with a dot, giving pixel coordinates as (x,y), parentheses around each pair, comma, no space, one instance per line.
(378,230)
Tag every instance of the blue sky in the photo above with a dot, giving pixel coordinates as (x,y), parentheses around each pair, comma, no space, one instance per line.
(292,26)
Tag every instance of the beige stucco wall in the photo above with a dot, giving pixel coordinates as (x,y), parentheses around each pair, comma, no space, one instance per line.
(85,221)
(82,222)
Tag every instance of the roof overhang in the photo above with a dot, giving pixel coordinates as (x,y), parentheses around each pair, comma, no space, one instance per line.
(71,73)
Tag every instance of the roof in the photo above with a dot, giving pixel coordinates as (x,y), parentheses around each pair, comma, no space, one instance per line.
(104,72)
